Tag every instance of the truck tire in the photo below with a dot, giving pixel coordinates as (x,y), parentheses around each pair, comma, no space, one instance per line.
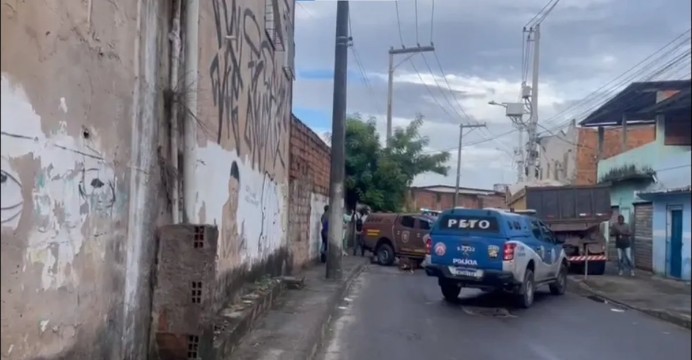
(527,290)
(385,254)
(450,290)
(597,268)
(560,285)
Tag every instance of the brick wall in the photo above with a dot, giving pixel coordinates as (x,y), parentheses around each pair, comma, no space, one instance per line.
(308,190)
(443,200)
(587,151)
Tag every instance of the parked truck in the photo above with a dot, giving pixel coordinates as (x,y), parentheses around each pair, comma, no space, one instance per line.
(578,215)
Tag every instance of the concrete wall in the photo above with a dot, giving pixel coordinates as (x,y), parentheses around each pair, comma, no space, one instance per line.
(81,112)
(661,234)
(244,109)
(310,167)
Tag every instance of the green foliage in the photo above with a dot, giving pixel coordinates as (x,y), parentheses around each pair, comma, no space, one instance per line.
(380,176)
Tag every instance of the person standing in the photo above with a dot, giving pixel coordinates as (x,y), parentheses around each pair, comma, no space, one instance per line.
(359,219)
(325,231)
(623,243)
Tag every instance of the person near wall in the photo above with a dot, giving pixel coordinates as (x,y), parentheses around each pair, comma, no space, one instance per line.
(325,231)
(359,219)
(623,243)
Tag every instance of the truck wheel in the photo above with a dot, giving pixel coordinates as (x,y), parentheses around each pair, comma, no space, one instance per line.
(385,255)
(450,290)
(560,285)
(527,290)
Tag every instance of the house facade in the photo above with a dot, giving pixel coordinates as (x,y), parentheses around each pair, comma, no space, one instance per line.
(571,155)
(636,175)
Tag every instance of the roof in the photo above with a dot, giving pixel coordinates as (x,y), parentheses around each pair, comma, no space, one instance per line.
(646,194)
(452,189)
(680,101)
(630,101)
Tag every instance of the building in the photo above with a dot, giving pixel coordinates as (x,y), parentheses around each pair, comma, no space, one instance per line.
(637,170)
(441,197)
(571,155)
(121,131)
(670,194)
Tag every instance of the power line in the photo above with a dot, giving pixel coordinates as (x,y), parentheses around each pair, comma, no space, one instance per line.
(598,93)
(398,22)
(432,20)
(416,5)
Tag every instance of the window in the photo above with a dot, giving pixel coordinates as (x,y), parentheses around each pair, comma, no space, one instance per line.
(408,221)
(424,224)
(536,230)
(547,233)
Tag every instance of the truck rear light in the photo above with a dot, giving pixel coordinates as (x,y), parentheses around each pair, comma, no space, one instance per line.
(509,251)
(428,244)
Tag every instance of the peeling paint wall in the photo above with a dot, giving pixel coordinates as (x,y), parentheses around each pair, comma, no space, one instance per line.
(79,131)
(244,108)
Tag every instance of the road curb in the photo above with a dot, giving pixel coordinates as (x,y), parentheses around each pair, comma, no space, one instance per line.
(659,314)
(333,304)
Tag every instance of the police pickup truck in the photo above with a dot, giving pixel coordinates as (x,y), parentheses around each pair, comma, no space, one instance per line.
(494,249)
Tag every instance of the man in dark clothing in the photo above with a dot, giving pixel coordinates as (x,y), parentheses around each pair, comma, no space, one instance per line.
(359,219)
(325,231)
(623,244)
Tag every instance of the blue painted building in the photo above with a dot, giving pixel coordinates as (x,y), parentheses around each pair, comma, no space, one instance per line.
(650,184)
(670,195)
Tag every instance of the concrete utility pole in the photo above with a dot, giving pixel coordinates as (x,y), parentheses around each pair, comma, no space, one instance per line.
(461,136)
(531,129)
(390,87)
(338,167)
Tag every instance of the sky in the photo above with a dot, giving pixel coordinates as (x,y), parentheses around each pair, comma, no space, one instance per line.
(584,46)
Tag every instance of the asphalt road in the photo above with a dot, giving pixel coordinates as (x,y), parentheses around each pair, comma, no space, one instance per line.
(393,314)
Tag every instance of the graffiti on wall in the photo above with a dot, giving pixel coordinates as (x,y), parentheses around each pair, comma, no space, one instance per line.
(247,205)
(250,91)
(64,195)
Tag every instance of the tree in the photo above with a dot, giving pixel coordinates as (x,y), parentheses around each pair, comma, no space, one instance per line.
(380,176)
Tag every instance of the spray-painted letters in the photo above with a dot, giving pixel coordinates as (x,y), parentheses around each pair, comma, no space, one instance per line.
(249,88)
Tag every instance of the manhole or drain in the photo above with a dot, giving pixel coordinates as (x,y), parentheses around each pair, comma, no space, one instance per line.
(490,312)
(597,299)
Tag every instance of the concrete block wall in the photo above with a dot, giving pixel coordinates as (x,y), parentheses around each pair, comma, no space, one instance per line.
(81,114)
(309,191)
(185,302)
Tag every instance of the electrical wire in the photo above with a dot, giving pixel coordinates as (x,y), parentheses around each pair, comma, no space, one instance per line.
(398,22)
(600,96)
(416,5)
(432,20)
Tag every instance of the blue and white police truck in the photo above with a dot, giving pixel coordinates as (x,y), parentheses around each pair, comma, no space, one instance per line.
(494,249)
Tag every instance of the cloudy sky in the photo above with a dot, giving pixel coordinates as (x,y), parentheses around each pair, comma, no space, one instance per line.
(585,44)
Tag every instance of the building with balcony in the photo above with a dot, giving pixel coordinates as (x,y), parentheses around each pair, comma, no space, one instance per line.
(650,183)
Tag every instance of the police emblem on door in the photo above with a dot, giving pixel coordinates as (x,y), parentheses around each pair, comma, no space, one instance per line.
(404,237)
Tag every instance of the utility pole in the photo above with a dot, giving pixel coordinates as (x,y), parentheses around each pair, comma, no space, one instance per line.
(533,120)
(338,166)
(461,136)
(390,82)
